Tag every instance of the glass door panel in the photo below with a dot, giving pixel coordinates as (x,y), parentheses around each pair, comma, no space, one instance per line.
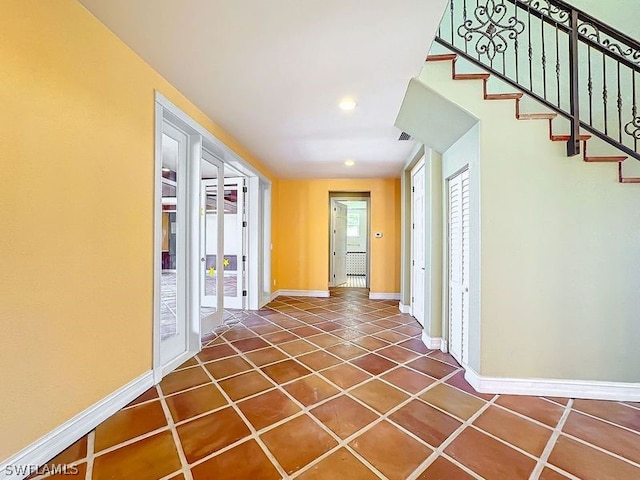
(233,242)
(211,245)
(173,259)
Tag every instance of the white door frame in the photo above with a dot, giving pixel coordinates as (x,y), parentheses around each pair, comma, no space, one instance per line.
(425,318)
(333,246)
(343,197)
(259,246)
(259,251)
(188,280)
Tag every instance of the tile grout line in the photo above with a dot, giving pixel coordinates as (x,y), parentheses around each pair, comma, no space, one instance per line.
(608,422)
(382,416)
(530,419)
(162,399)
(525,417)
(603,450)
(131,441)
(253,433)
(174,433)
(546,453)
(449,440)
(346,327)
(306,411)
(91,441)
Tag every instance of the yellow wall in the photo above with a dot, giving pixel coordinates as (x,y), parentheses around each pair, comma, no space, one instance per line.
(301,213)
(77,147)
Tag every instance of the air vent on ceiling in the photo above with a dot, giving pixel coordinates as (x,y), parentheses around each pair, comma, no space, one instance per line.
(404,136)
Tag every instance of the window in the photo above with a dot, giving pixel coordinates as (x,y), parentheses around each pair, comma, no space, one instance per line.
(353,224)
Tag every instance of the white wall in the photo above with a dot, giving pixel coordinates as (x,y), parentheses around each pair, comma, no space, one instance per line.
(558,262)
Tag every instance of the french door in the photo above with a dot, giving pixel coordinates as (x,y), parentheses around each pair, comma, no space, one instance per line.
(173,258)
(211,241)
(235,242)
(458,265)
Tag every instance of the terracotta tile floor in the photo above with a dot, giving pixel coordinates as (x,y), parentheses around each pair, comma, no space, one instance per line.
(342,388)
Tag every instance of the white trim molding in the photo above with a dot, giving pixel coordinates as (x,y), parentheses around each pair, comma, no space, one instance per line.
(551,387)
(404,308)
(72,430)
(300,293)
(432,343)
(384,296)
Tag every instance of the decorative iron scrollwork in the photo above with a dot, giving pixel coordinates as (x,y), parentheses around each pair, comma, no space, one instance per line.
(557,14)
(591,32)
(491,28)
(633,128)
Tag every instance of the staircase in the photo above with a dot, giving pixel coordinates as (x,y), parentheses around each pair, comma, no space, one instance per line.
(494,35)
(517,98)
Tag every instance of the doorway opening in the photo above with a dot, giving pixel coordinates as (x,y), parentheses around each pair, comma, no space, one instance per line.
(231,273)
(211,237)
(349,247)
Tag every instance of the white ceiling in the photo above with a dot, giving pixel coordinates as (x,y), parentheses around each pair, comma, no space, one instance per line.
(272,73)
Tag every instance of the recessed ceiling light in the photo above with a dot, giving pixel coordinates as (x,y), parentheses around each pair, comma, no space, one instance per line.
(165,169)
(348,104)
(349,163)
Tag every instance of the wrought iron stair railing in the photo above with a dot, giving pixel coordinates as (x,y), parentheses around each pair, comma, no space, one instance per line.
(571,62)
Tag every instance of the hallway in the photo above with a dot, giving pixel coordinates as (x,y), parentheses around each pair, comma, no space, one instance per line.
(295,391)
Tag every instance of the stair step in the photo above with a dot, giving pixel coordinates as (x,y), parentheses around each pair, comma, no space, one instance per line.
(441,57)
(537,116)
(607,159)
(533,116)
(503,96)
(566,138)
(471,76)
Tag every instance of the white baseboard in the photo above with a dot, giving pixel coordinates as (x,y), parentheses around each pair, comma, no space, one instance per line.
(404,308)
(384,296)
(72,430)
(549,387)
(300,293)
(432,343)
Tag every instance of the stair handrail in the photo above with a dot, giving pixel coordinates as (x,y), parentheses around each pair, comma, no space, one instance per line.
(488,24)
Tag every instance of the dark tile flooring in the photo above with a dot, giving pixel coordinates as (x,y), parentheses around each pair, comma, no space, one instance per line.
(342,388)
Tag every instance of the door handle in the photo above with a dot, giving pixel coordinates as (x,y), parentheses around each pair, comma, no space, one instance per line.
(203,259)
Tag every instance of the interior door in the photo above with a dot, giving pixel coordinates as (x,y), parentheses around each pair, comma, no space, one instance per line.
(209,271)
(418,266)
(465,266)
(211,243)
(339,243)
(234,243)
(173,291)
(458,267)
